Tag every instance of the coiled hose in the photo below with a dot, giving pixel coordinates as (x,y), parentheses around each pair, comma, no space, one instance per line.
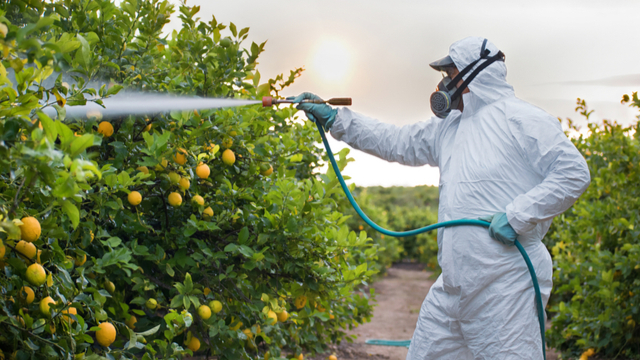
(460,222)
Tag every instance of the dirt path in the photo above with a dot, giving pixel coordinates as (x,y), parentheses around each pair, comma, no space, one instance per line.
(400,294)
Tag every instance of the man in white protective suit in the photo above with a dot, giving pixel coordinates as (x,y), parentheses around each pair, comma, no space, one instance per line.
(499,158)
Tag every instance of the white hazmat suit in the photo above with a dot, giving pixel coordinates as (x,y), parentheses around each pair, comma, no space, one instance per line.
(500,154)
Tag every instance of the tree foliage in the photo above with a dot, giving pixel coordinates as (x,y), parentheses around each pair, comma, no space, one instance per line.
(259,243)
(596,248)
(399,209)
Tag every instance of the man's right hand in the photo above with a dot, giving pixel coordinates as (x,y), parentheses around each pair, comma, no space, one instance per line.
(323,114)
(500,229)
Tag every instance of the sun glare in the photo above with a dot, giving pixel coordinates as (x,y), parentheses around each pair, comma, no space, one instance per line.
(331,60)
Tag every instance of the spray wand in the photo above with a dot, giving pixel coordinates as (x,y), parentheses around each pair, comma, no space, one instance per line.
(268,101)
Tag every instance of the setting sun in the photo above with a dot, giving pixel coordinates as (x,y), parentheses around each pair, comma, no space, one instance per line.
(331,60)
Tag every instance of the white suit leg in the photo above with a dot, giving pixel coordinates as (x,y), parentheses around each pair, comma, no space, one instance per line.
(438,334)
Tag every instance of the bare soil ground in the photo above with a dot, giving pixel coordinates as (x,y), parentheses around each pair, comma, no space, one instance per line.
(400,294)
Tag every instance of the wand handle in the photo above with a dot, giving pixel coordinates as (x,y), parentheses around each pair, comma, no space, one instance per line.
(269,101)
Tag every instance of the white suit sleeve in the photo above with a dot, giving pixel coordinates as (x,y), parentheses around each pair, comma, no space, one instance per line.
(412,145)
(564,171)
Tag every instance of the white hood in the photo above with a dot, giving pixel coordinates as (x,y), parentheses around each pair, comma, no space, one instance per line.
(490,84)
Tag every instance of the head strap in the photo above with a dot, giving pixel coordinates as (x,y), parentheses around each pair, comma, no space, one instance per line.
(484,54)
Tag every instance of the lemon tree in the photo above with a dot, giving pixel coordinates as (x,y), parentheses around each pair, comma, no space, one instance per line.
(596,248)
(167,234)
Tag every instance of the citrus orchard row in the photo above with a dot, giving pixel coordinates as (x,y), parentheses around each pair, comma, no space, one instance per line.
(158,236)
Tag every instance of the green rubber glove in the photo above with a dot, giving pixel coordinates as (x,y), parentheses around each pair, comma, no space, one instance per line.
(318,113)
(500,229)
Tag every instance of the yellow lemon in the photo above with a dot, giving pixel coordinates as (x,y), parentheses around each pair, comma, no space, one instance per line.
(131,322)
(267,356)
(27,294)
(45,305)
(148,127)
(151,304)
(143,169)
(106,335)
(105,128)
(266,172)
(204,311)
(194,344)
(69,311)
(227,142)
(235,325)
(208,212)
(163,165)
(81,260)
(228,157)
(36,275)
(180,156)
(300,357)
(283,316)
(175,199)
(248,333)
(184,183)
(26,249)
(271,315)
(300,301)
(134,198)
(30,229)
(216,306)
(207,291)
(333,357)
(203,171)
(198,200)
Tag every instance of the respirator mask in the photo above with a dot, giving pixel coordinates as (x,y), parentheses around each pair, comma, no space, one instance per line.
(447,95)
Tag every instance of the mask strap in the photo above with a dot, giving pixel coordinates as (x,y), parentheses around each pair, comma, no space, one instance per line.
(484,53)
(497,57)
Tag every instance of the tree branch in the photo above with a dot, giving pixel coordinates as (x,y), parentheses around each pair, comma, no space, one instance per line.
(157,282)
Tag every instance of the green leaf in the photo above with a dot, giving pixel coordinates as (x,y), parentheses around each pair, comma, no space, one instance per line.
(133,339)
(72,212)
(243,236)
(150,332)
(296,158)
(66,135)
(233,29)
(112,242)
(80,144)
(83,55)
(49,126)
(176,301)
(188,284)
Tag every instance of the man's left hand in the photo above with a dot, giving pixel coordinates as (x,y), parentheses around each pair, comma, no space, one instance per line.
(500,229)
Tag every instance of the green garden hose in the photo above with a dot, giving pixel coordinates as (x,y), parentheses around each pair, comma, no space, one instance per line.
(460,222)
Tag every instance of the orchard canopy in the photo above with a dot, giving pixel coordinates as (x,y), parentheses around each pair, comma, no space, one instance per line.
(167,235)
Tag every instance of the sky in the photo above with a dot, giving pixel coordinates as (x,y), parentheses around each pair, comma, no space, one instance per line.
(377,52)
